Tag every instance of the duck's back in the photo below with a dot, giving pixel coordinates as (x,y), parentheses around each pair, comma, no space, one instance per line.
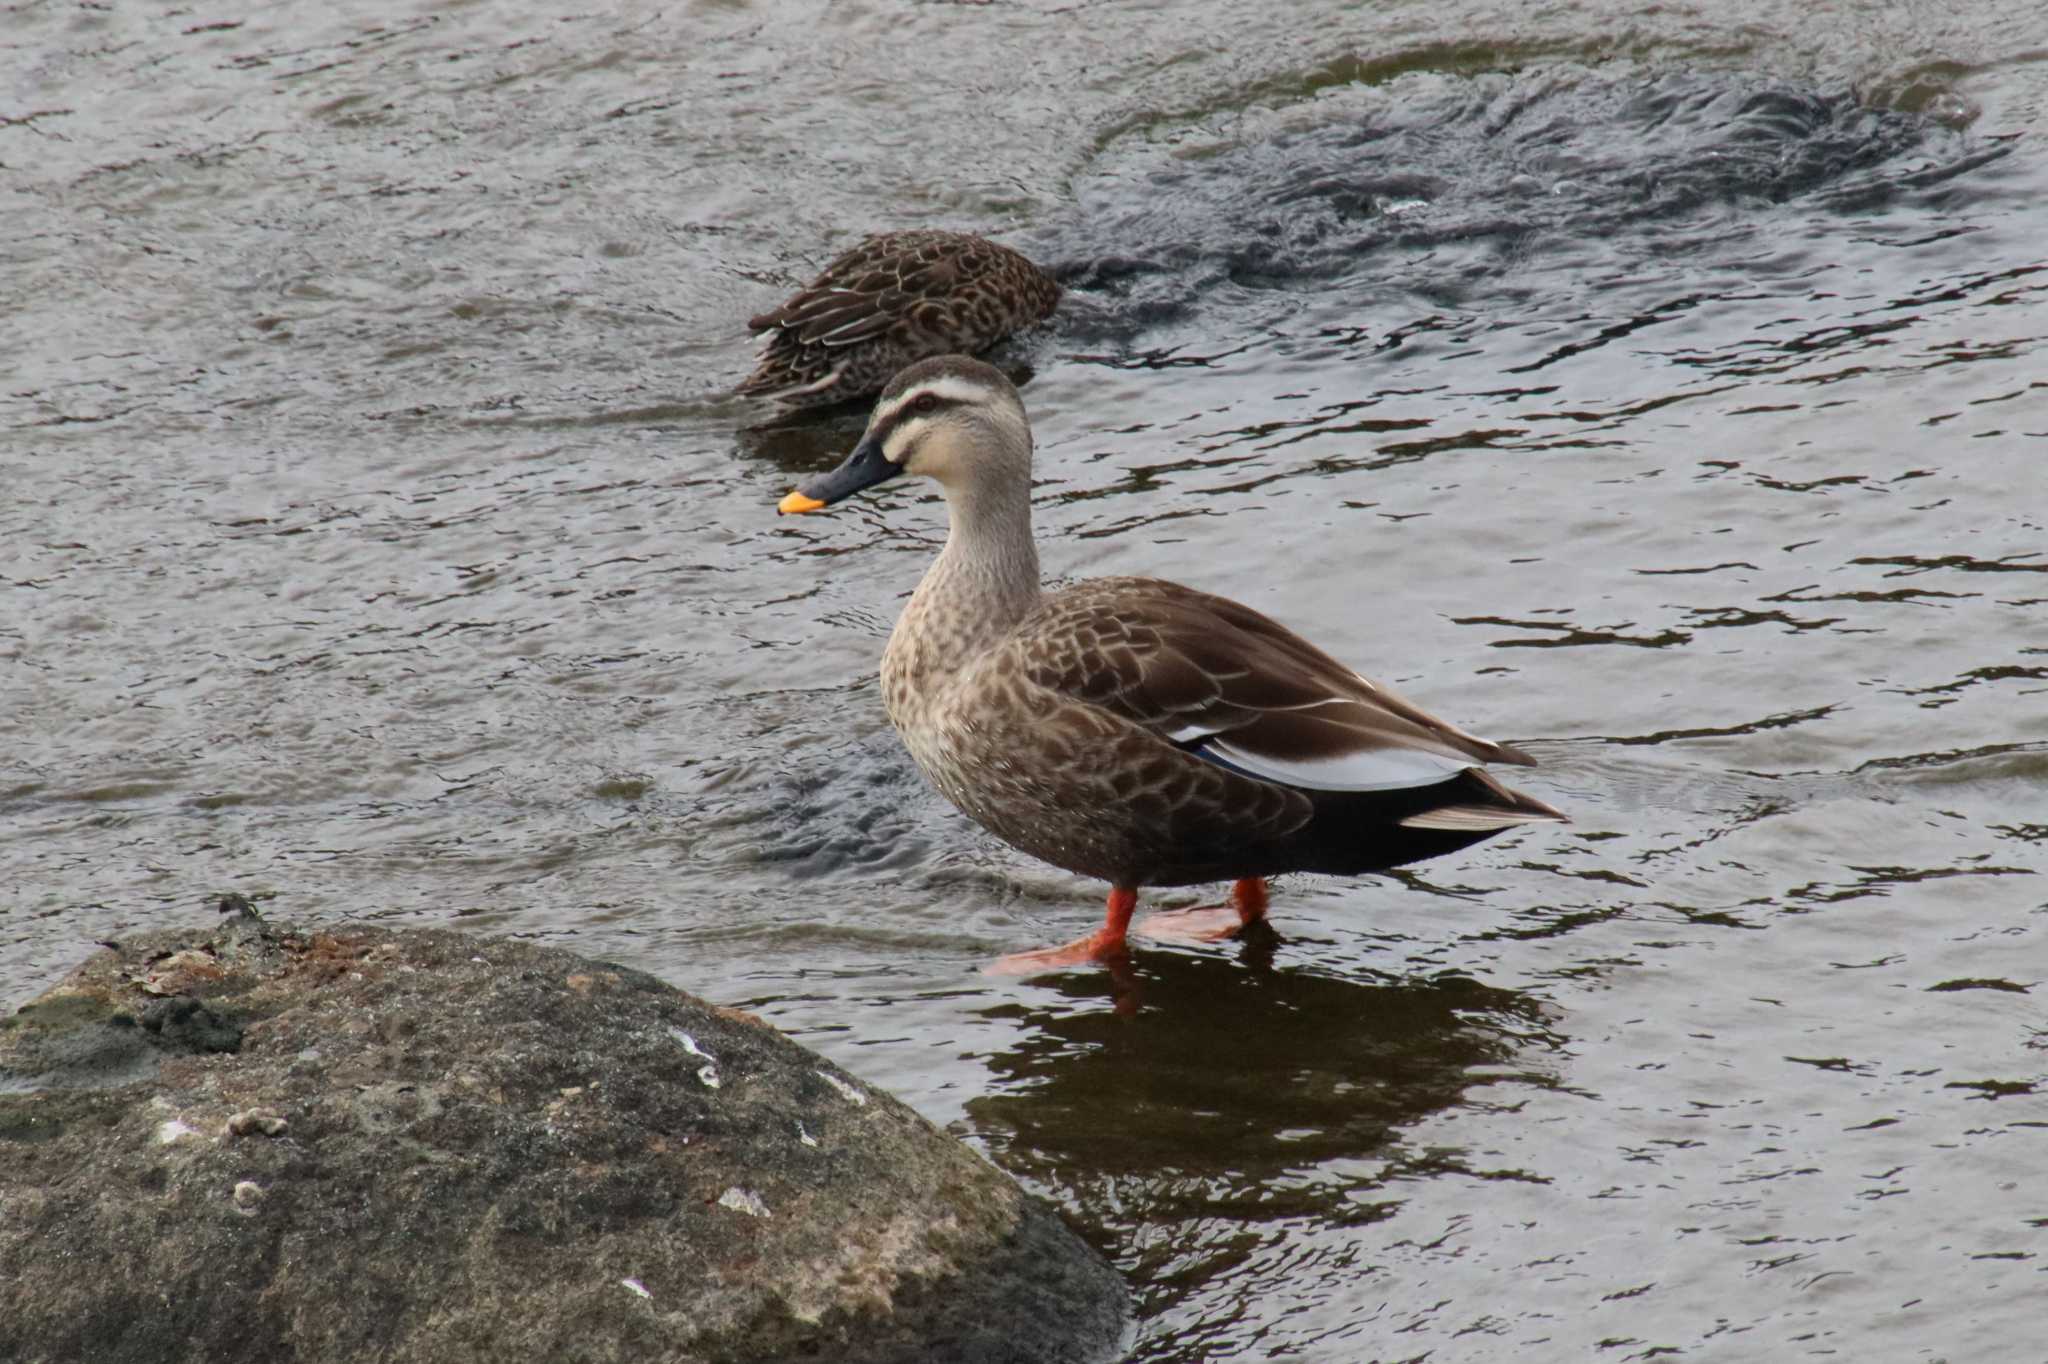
(891,300)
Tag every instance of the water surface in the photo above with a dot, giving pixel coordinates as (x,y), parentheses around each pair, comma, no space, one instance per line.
(1661,391)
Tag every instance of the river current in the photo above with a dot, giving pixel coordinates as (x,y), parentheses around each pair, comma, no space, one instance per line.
(1662,389)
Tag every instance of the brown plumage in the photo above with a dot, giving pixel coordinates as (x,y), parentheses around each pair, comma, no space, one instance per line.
(1133,729)
(893,299)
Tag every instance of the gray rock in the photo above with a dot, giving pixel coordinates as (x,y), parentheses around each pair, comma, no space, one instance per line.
(417,1147)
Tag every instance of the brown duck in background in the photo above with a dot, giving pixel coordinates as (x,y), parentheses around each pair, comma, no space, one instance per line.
(1132,729)
(893,299)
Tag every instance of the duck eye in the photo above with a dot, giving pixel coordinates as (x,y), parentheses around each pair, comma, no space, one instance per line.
(924,403)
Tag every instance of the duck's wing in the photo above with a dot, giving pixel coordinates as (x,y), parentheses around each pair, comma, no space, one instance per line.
(1231,686)
(923,278)
(877,284)
(924,291)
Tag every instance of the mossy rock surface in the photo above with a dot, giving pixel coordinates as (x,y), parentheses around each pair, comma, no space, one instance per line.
(419,1147)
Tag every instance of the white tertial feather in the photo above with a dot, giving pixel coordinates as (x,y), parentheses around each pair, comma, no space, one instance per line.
(1474,817)
(830,378)
(1189,730)
(1369,769)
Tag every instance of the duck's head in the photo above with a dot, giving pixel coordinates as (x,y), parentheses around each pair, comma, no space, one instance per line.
(950,418)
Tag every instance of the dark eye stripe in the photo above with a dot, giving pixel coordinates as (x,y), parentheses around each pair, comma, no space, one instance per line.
(915,407)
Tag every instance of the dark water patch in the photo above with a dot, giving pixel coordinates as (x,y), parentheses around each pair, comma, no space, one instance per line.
(1907,564)
(1942,693)
(1564,636)
(1479,189)
(1199,1108)
(2020,763)
(835,805)
(1993,1089)
(1880,882)
(803,443)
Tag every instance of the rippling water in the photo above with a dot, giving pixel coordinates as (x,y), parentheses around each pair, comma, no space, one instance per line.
(1662,391)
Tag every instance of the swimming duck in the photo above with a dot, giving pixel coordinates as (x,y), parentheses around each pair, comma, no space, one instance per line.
(894,298)
(1130,729)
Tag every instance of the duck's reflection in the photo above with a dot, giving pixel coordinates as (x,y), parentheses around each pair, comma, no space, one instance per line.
(1204,1092)
(805,441)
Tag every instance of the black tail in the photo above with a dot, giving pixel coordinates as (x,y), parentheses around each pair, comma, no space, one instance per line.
(1353,832)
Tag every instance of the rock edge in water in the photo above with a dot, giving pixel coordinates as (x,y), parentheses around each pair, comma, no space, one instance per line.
(413,1145)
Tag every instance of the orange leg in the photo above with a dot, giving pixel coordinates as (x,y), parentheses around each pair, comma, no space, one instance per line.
(1211,923)
(1105,944)
(1248,897)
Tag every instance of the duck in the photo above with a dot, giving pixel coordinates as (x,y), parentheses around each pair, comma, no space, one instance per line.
(1133,730)
(894,298)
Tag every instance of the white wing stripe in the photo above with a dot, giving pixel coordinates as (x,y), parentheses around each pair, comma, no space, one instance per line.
(1372,769)
(1459,818)
(1191,729)
(831,338)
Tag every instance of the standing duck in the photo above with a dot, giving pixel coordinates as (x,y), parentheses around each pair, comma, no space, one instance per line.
(1131,729)
(894,298)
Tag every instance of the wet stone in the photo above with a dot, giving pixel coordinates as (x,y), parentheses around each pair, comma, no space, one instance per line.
(413,1145)
(258,1121)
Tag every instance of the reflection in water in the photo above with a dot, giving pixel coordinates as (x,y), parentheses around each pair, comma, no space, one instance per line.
(1191,1110)
(802,442)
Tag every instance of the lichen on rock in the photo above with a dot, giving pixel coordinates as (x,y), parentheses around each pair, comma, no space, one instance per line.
(408,1145)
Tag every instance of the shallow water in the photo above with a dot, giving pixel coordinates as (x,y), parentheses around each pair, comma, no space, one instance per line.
(1662,391)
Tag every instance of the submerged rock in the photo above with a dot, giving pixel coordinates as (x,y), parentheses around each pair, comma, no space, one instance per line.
(410,1145)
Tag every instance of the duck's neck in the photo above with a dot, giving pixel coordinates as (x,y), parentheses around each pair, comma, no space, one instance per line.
(984,581)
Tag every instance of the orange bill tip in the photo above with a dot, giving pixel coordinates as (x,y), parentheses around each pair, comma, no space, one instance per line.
(797,502)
